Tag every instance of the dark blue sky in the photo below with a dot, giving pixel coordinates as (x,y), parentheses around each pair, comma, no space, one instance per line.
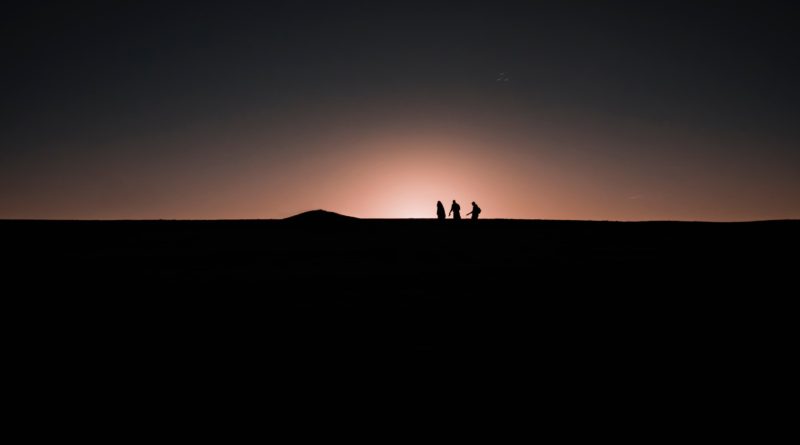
(106,103)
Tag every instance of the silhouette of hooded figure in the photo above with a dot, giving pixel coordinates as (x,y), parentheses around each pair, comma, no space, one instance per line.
(475,211)
(455,209)
(440,210)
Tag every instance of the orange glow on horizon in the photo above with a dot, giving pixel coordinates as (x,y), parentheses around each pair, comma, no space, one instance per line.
(512,170)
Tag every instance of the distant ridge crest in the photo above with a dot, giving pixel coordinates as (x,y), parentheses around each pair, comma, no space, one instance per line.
(319,215)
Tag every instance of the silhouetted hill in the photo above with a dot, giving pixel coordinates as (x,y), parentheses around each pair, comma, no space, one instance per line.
(319,216)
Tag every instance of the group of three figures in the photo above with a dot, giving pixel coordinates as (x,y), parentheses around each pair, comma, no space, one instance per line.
(455,210)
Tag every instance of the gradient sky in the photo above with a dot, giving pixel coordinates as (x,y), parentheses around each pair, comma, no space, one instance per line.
(633,110)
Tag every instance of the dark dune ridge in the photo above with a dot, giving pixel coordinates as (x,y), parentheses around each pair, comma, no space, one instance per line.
(319,216)
(418,283)
(618,313)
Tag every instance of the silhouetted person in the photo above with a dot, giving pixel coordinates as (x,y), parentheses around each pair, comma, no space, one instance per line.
(455,209)
(475,211)
(440,210)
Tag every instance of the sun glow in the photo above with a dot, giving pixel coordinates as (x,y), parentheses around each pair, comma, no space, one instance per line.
(404,178)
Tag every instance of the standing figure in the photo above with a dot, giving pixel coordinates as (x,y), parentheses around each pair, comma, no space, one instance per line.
(475,211)
(440,210)
(455,209)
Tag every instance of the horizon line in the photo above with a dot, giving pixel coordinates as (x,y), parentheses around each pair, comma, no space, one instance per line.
(345,217)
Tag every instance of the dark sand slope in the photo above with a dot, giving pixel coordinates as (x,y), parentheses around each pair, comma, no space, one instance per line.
(322,279)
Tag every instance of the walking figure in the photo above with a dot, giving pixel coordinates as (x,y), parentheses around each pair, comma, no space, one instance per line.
(440,210)
(475,211)
(455,209)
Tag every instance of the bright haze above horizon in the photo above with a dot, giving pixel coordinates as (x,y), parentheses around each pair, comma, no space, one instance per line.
(612,110)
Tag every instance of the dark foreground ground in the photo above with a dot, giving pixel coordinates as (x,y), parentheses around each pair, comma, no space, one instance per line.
(344,282)
(655,314)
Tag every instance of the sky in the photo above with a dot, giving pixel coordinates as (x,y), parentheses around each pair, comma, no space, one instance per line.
(600,110)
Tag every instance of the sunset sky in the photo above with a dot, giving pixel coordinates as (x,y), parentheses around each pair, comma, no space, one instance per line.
(602,110)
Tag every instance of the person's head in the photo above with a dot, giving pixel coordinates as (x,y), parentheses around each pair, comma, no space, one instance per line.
(473,203)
